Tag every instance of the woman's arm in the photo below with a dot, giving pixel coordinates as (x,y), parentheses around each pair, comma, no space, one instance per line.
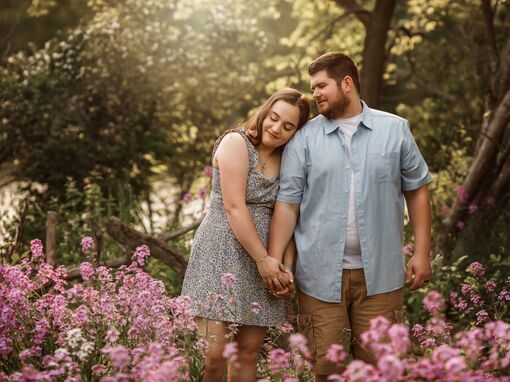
(232,160)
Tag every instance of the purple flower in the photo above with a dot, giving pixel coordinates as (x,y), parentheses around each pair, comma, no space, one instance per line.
(461,193)
(433,302)
(141,254)
(187,198)
(481,317)
(490,286)
(286,328)
(228,280)
(445,209)
(86,270)
(477,269)
(491,200)
(461,225)
(408,249)
(202,192)
(336,354)
(473,209)
(208,171)
(87,243)
(504,296)
(36,248)
(298,341)
(230,351)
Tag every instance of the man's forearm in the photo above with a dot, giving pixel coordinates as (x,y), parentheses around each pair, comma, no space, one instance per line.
(282,227)
(418,206)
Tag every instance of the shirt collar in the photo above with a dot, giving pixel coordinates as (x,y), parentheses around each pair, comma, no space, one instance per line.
(331,125)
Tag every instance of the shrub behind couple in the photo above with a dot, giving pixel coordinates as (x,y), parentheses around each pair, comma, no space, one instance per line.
(339,188)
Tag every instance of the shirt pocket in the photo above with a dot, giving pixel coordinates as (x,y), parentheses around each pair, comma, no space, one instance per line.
(383,166)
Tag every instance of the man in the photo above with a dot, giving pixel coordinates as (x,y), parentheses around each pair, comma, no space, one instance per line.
(342,183)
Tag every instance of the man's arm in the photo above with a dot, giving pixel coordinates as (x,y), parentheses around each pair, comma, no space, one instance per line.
(418,268)
(282,227)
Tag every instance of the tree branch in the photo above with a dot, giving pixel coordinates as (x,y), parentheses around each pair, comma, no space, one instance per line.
(353,6)
(130,239)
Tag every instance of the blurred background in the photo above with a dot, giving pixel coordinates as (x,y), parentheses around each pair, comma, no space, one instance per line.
(110,108)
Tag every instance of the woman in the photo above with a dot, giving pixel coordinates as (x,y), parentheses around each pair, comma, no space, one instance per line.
(229,257)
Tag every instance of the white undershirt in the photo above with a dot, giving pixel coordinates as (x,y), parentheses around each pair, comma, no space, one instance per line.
(352,250)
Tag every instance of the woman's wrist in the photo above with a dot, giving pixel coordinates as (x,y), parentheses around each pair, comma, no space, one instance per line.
(262,258)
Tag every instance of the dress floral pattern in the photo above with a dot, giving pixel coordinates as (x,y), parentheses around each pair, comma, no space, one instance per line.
(216,252)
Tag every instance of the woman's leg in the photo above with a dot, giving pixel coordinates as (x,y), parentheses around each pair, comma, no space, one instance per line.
(249,341)
(214,332)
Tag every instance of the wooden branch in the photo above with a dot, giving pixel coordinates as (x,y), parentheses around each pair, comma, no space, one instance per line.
(181,231)
(51,238)
(353,6)
(482,160)
(130,239)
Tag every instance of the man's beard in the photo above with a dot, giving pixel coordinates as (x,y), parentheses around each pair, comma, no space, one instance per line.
(338,108)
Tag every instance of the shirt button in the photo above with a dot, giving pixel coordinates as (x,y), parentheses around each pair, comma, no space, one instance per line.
(346,190)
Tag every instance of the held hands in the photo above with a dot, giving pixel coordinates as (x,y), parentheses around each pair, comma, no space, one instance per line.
(277,278)
(418,271)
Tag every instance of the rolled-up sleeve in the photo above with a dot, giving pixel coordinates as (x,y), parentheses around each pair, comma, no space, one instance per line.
(414,170)
(293,171)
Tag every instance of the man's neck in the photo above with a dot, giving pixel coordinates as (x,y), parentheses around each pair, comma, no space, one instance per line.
(353,110)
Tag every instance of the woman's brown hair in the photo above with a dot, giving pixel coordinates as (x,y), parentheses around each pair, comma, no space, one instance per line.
(253,125)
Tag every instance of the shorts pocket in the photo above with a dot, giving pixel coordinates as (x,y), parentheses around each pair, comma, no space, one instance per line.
(395,316)
(305,324)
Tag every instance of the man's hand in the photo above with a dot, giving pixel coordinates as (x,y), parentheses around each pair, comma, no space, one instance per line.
(418,271)
(286,279)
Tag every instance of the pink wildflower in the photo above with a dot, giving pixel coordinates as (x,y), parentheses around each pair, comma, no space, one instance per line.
(359,371)
(286,328)
(473,209)
(298,341)
(208,171)
(461,225)
(481,317)
(504,296)
(202,192)
(36,248)
(87,243)
(433,302)
(391,367)
(445,209)
(461,193)
(187,198)
(86,270)
(477,269)
(230,351)
(141,254)
(490,286)
(336,354)
(408,249)
(491,200)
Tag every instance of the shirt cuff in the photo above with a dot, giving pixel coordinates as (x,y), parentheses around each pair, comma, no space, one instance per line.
(410,186)
(289,199)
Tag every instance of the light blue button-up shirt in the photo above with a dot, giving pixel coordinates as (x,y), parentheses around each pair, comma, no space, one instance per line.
(316,173)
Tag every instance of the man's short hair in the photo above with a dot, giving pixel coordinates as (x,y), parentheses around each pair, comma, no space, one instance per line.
(337,65)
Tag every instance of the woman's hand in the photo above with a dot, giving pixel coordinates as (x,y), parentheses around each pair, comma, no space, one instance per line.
(270,270)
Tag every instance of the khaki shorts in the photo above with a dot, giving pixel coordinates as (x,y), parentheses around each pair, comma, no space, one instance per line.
(324,323)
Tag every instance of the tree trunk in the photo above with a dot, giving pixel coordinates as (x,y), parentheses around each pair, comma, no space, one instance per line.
(374,52)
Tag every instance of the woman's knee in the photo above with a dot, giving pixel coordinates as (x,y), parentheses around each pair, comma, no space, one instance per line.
(214,359)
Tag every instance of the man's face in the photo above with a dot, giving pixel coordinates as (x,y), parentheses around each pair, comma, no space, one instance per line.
(332,102)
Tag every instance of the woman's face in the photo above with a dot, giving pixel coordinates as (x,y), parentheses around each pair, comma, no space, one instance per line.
(280,124)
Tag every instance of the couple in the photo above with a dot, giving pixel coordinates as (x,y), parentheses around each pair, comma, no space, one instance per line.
(339,187)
